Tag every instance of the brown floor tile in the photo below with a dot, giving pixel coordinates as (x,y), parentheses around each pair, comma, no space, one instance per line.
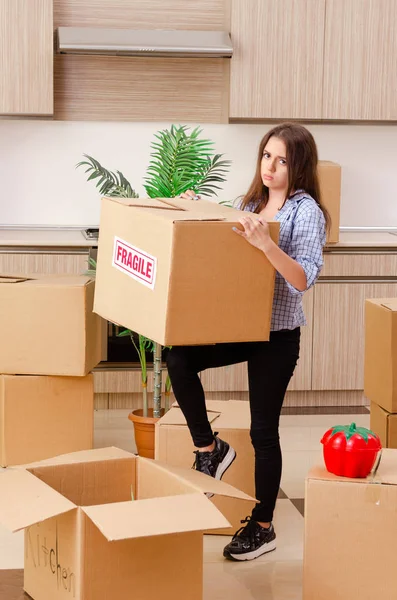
(299,504)
(11,585)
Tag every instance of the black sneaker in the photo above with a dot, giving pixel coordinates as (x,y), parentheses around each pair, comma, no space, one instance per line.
(250,541)
(215,463)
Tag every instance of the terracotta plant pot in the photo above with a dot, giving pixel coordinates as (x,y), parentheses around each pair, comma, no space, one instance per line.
(144,431)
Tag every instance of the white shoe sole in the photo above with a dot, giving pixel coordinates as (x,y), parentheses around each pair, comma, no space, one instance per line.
(269,547)
(223,466)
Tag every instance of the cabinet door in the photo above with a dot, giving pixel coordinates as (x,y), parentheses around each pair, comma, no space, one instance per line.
(277,65)
(235,377)
(360,75)
(338,341)
(43,263)
(26,57)
(302,378)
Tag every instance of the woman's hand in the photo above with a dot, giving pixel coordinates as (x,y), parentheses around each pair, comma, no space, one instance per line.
(190,195)
(256,232)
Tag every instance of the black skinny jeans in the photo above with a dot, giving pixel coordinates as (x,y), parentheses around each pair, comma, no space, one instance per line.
(270,367)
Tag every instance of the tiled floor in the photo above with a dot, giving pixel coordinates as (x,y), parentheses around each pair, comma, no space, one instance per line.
(276,576)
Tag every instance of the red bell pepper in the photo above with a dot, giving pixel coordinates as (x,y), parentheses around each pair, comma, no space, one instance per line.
(350,451)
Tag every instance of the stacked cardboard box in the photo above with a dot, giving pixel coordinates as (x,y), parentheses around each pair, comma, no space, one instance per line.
(50,341)
(330,176)
(350,534)
(380,369)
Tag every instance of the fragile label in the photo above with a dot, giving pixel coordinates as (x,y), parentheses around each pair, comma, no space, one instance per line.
(134,262)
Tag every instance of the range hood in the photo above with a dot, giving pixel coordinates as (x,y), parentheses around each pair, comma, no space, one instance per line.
(138,42)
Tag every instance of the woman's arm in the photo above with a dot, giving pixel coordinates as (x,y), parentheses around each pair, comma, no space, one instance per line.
(288,268)
(301,269)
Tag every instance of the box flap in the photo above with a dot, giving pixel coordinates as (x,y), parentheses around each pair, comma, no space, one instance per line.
(179,209)
(200,482)
(83,456)
(227,414)
(146,203)
(386,473)
(26,500)
(12,279)
(156,516)
(175,417)
(390,304)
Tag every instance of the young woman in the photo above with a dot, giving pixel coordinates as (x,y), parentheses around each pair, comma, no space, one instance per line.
(285,188)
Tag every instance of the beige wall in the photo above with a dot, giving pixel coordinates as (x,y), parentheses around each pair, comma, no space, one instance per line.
(41,186)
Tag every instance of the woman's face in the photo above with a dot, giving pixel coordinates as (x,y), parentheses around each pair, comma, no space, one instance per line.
(274,168)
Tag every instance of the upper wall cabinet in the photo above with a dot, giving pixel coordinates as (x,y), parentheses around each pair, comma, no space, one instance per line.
(26,57)
(360,60)
(277,65)
(128,88)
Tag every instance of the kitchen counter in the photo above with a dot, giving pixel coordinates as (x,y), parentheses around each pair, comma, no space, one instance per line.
(72,237)
(364,239)
(37,237)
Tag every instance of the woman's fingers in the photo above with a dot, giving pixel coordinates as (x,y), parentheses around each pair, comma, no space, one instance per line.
(190,195)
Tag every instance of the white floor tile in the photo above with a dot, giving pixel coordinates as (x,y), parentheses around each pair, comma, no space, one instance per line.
(11,549)
(288,523)
(254,580)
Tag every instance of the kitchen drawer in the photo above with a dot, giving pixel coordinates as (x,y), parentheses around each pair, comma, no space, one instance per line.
(360,264)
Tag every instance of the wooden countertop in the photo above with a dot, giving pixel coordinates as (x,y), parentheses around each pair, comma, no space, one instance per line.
(73,237)
(45,237)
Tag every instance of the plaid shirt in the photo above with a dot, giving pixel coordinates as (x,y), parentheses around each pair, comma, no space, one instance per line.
(302,236)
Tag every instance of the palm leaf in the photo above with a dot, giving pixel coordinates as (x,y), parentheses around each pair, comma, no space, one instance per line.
(110,184)
(180,161)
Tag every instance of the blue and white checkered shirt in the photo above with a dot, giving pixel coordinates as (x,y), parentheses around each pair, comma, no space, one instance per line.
(302,236)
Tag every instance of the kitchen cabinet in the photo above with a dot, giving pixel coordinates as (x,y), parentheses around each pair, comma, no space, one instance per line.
(277,65)
(127,88)
(360,75)
(338,341)
(56,262)
(314,59)
(26,57)
(234,378)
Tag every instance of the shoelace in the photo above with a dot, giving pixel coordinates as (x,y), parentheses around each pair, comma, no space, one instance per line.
(247,531)
(202,460)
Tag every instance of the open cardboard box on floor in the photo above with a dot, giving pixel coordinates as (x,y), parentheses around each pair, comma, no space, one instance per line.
(350,548)
(231,419)
(108,524)
(175,271)
(380,364)
(48,326)
(41,417)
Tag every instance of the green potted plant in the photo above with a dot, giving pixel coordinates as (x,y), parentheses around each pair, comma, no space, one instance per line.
(180,160)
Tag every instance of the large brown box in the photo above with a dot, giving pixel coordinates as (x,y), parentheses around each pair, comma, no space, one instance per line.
(48,326)
(380,365)
(107,524)
(384,424)
(350,549)
(175,271)
(330,174)
(41,417)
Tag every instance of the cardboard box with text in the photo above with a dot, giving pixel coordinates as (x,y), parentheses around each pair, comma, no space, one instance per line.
(175,271)
(107,524)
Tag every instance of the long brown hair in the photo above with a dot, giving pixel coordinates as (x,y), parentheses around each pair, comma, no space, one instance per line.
(302,161)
